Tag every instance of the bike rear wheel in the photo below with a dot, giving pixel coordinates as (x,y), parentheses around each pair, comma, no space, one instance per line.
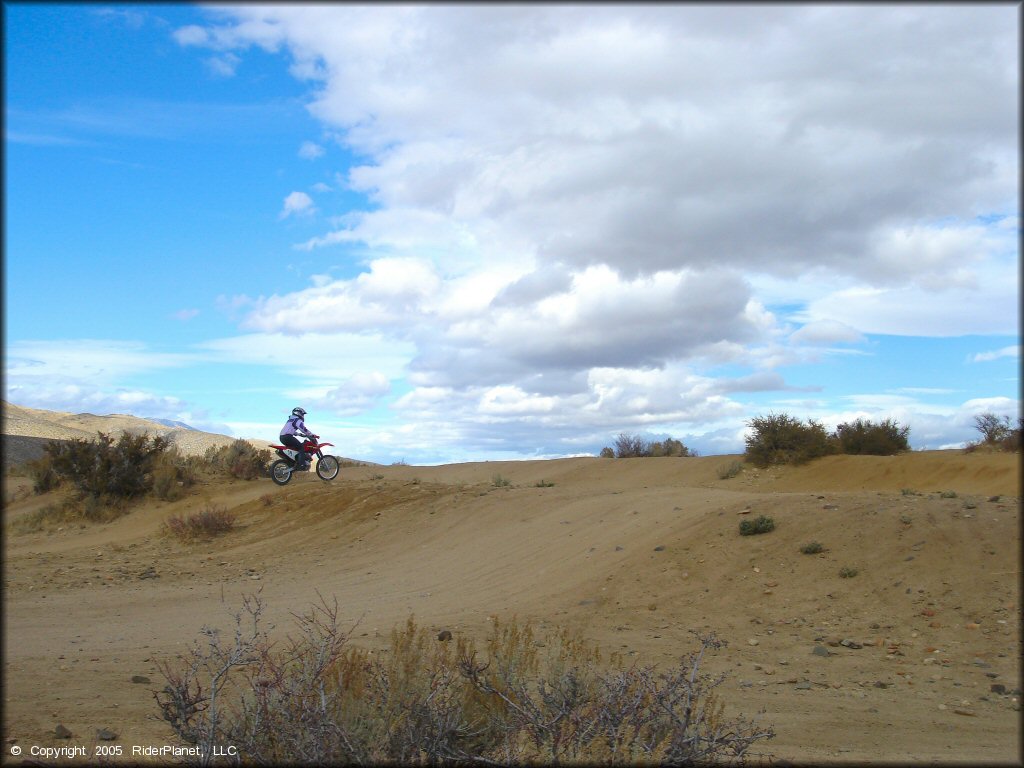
(327,468)
(281,472)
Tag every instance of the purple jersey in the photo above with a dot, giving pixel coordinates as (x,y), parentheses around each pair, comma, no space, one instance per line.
(294,425)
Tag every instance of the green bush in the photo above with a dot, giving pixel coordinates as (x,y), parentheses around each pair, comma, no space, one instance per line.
(629,446)
(670,447)
(760,524)
(847,573)
(812,549)
(865,437)
(782,439)
(102,468)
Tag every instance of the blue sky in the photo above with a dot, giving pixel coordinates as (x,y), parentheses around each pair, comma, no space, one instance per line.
(469,232)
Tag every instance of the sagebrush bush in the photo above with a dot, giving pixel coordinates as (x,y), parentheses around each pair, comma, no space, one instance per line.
(782,439)
(438,700)
(102,468)
(629,446)
(812,548)
(760,524)
(730,470)
(239,459)
(211,521)
(174,474)
(670,447)
(41,471)
(867,438)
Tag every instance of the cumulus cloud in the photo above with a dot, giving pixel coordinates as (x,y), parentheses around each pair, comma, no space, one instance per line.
(223,66)
(310,150)
(824,332)
(358,393)
(297,203)
(614,194)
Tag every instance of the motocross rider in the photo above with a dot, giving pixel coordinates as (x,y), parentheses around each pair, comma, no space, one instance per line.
(295,426)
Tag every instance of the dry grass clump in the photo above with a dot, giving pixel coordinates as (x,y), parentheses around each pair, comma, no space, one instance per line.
(730,470)
(212,521)
(438,699)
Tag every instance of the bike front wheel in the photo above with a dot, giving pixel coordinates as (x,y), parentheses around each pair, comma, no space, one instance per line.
(281,472)
(327,468)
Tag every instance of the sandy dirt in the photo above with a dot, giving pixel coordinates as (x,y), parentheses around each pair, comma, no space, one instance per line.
(634,552)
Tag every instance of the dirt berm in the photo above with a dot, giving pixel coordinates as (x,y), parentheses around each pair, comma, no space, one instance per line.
(634,552)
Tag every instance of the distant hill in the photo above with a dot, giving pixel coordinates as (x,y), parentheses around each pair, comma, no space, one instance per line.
(178,424)
(26,431)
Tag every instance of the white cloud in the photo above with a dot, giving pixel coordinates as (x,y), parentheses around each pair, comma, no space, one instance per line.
(610,196)
(310,150)
(824,332)
(192,34)
(186,314)
(996,354)
(224,65)
(96,360)
(324,358)
(297,203)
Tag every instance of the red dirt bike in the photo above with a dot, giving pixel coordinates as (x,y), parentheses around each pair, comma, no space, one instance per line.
(326,466)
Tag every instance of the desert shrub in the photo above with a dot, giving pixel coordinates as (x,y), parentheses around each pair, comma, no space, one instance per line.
(174,474)
(543,484)
(730,470)
(812,548)
(500,482)
(239,459)
(847,573)
(760,524)
(997,433)
(947,495)
(628,446)
(670,447)
(209,522)
(44,476)
(865,437)
(103,468)
(782,439)
(51,514)
(437,700)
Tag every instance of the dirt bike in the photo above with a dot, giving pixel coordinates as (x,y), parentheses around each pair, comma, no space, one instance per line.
(326,466)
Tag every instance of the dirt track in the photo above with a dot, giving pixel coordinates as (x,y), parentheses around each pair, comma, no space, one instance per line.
(635,552)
